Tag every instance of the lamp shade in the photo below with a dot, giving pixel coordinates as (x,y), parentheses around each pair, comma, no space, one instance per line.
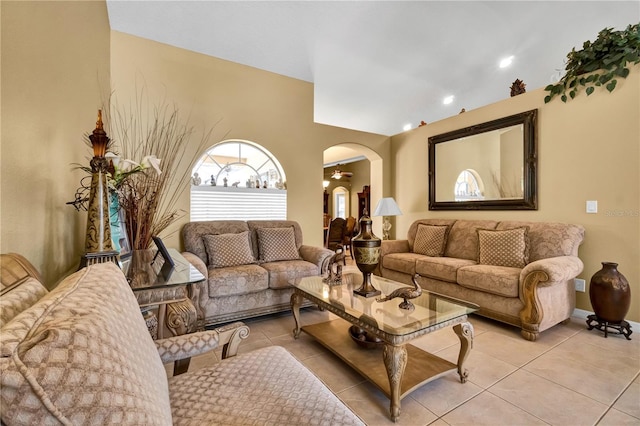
(387,207)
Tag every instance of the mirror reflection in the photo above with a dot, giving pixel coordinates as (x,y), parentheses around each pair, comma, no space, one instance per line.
(488,166)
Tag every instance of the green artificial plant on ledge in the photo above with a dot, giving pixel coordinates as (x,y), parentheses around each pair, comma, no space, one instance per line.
(598,64)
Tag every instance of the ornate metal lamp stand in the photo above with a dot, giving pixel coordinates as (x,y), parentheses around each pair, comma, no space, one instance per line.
(98,245)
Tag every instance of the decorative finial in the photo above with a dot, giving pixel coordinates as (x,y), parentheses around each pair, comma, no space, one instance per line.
(518,87)
(99,139)
(99,125)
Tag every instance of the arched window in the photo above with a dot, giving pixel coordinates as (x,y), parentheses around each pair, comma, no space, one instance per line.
(238,180)
(469,186)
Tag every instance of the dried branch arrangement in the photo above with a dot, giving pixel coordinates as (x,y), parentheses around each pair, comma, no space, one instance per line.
(148,197)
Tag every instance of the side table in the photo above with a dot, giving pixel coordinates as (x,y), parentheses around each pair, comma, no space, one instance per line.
(171,294)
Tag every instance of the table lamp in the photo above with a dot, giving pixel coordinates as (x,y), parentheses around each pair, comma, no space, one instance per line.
(387,207)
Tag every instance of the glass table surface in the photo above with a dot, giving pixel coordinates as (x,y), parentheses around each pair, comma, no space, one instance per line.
(430,310)
(183,273)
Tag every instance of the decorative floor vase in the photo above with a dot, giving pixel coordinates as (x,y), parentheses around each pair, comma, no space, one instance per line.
(610,297)
(140,272)
(366,250)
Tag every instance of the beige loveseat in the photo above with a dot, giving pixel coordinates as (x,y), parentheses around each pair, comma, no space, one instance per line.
(82,355)
(520,273)
(248,266)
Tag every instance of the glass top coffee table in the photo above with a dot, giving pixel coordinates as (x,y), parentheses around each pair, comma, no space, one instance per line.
(366,324)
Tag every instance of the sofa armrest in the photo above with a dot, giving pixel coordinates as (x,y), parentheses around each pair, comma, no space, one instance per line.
(198,292)
(197,263)
(319,256)
(388,247)
(188,345)
(553,270)
(547,293)
(394,246)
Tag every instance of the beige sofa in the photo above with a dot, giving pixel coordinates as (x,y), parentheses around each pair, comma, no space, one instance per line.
(82,355)
(520,273)
(248,266)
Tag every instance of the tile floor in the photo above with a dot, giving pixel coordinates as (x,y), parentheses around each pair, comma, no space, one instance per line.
(570,376)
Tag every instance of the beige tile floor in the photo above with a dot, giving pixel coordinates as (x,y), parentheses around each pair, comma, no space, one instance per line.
(570,376)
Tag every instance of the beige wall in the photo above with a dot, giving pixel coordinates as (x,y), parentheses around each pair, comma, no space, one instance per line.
(55,57)
(588,149)
(269,109)
(57,61)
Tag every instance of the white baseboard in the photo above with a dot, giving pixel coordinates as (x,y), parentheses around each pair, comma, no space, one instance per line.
(581,313)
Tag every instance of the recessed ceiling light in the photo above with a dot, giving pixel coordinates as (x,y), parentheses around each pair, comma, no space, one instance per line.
(447,100)
(407,127)
(506,62)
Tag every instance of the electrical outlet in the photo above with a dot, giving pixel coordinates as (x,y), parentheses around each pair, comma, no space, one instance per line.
(580,284)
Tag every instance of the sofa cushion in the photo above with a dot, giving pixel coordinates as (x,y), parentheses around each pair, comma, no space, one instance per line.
(401,262)
(509,247)
(265,386)
(500,280)
(282,273)
(441,268)
(431,240)
(462,241)
(83,355)
(237,280)
(20,298)
(277,244)
(228,249)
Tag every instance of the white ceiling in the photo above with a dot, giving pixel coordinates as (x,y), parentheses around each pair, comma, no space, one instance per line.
(378,65)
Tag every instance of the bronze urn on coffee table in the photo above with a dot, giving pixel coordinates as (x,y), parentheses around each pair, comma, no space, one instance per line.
(366,250)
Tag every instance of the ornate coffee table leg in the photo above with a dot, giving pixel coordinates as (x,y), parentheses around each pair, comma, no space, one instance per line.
(296,302)
(395,361)
(465,333)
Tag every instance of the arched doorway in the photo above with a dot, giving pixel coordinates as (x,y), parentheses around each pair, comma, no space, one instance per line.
(342,155)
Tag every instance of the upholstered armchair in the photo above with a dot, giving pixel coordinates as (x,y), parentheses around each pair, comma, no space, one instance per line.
(20,286)
(82,354)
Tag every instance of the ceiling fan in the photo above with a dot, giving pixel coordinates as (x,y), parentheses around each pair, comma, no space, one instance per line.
(337,174)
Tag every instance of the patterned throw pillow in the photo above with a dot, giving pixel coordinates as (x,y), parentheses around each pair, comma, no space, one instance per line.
(277,244)
(228,249)
(509,247)
(431,240)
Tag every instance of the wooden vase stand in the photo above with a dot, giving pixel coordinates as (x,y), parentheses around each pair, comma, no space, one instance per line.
(607,327)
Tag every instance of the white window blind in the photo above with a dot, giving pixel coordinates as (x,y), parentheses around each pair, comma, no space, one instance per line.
(223,203)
